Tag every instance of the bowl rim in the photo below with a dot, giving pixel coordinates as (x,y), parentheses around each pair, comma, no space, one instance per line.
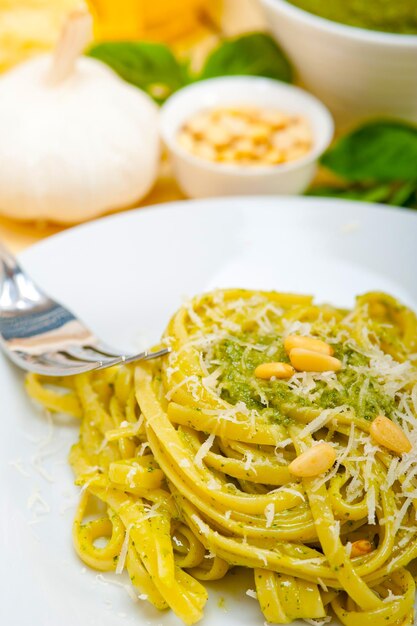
(353,32)
(320,143)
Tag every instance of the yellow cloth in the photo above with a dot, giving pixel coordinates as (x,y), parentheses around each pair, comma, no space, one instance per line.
(160,20)
(28,27)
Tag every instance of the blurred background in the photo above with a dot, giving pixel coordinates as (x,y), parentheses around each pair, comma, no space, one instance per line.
(190,27)
(28,27)
(363,76)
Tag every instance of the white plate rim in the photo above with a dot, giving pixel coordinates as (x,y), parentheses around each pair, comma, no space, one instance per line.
(282,203)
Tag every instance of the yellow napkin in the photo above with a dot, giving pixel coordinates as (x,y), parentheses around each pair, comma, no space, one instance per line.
(158,20)
(28,27)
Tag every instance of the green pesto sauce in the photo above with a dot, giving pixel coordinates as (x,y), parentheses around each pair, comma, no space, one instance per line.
(238,383)
(391,16)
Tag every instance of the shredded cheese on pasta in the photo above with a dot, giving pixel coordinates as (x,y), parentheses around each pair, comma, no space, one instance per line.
(183,462)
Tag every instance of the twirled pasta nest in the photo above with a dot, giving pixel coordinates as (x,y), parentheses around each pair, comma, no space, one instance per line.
(188,460)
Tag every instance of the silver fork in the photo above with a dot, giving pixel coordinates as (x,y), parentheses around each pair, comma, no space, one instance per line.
(40,335)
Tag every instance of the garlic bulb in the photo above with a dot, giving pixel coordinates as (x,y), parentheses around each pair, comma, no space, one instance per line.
(76,140)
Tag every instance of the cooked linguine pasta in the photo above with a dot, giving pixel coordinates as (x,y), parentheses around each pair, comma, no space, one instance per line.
(187,463)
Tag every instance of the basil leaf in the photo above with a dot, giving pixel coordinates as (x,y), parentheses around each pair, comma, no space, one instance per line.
(405,195)
(332,192)
(374,194)
(379,151)
(149,66)
(254,54)
(154,68)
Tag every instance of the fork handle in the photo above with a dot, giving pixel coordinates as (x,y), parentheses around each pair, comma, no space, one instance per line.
(8,262)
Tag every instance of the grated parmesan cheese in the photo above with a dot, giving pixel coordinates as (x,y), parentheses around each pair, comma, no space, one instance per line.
(318,622)
(320,421)
(371,504)
(210,380)
(42,451)
(391,597)
(210,555)
(269,513)
(18,466)
(295,328)
(204,448)
(131,475)
(193,381)
(391,474)
(213,484)
(202,527)
(312,561)
(151,511)
(170,371)
(283,444)
(401,514)
(38,505)
(123,552)
(335,528)
(142,448)
(293,492)
(414,397)
(128,588)
(248,461)
(260,554)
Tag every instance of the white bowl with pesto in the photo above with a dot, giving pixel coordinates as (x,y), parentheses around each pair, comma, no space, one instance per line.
(200,178)
(357,72)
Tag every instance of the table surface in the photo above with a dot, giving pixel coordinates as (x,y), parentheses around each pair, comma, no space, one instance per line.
(238,16)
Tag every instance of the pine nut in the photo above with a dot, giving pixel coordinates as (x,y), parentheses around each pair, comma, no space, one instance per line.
(276,370)
(247,133)
(217,136)
(360,547)
(258,132)
(243,147)
(228,156)
(310,361)
(205,151)
(308,343)
(199,123)
(314,461)
(274,118)
(274,156)
(282,140)
(295,153)
(186,140)
(388,434)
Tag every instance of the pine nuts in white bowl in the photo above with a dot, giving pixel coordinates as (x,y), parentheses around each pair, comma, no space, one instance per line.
(356,72)
(201,177)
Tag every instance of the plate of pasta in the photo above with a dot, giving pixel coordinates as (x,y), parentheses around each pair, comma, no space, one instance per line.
(265,470)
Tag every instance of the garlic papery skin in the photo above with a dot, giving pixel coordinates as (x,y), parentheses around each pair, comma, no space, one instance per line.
(75,149)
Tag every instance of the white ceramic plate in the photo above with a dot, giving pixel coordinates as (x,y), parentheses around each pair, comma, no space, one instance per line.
(125,275)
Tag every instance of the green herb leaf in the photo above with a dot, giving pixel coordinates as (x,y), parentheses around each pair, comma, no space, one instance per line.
(149,66)
(404,195)
(332,192)
(379,151)
(374,194)
(154,68)
(255,54)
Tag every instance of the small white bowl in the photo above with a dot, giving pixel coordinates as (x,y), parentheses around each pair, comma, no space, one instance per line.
(199,178)
(357,72)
